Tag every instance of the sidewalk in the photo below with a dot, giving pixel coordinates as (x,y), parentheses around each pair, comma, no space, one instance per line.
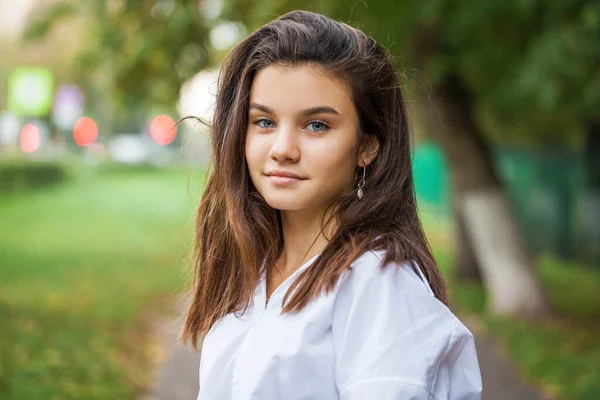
(177,377)
(500,378)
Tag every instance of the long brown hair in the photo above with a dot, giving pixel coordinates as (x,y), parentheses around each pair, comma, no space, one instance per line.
(236,230)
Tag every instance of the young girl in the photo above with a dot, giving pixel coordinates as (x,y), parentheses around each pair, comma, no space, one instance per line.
(314,279)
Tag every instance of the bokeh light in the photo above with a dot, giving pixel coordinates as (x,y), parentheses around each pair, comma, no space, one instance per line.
(85,131)
(30,138)
(163,130)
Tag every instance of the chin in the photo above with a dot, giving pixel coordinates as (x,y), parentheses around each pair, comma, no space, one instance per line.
(285,203)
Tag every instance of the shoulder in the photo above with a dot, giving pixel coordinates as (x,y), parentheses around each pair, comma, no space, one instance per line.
(369,270)
(394,295)
(388,326)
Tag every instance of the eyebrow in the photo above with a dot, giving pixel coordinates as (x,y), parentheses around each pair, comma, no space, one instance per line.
(310,111)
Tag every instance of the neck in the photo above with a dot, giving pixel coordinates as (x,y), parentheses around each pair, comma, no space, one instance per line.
(302,238)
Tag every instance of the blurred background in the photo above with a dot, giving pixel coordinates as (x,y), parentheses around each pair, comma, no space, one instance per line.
(98,189)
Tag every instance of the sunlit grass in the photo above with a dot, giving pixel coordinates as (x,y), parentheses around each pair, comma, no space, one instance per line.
(81,266)
(562,356)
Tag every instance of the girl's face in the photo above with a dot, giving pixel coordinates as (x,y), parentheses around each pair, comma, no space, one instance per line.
(302,137)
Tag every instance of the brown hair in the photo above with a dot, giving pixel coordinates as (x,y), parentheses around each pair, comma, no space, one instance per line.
(236,230)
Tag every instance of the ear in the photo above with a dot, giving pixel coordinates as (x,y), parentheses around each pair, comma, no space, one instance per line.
(368,150)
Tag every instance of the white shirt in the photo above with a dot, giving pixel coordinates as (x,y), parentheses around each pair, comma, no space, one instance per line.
(381,334)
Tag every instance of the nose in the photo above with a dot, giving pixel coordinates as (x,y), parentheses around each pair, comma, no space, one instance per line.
(285,145)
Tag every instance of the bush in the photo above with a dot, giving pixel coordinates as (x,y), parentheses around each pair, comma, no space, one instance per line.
(22,175)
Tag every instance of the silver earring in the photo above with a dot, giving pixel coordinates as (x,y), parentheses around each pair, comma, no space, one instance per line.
(361,184)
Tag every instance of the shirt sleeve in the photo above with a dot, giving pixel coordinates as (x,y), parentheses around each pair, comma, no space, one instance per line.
(394,340)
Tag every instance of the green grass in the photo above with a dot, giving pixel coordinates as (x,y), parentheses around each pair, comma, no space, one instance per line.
(83,266)
(562,355)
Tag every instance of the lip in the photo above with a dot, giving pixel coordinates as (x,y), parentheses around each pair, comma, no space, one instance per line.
(283,174)
(283,178)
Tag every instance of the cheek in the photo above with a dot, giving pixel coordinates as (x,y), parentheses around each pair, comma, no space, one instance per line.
(337,167)
(253,151)
(345,172)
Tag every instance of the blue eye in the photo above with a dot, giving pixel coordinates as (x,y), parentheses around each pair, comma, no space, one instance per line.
(269,123)
(318,126)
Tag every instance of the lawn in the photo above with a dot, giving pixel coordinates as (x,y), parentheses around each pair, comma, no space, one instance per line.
(560,356)
(83,266)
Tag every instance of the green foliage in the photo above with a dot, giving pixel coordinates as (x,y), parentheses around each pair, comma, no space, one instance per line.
(575,289)
(143,50)
(20,175)
(530,66)
(42,25)
(533,63)
(82,265)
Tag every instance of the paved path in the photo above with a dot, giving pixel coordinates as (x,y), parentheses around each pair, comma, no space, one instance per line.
(177,377)
(500,378)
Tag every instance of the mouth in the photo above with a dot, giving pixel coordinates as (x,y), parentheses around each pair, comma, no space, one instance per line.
(283,178)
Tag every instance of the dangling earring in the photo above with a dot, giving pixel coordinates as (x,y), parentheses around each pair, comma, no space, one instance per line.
(361,183)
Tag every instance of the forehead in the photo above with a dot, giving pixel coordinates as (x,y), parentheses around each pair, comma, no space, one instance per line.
(286,88)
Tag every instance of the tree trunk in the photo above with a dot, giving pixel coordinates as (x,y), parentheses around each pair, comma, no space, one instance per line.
(592,194)
(483,210)
(427,42)
(465,262)
(464,266)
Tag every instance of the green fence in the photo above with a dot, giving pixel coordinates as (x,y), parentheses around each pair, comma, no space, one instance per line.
(547,188)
